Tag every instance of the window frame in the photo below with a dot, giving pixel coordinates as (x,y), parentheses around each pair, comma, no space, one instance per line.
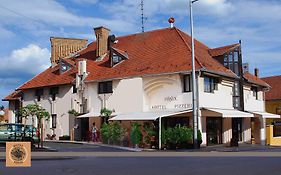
(54,121)
(184,81)
(255,92)
(105,87)
(53,91)
(38,93)
(212,84)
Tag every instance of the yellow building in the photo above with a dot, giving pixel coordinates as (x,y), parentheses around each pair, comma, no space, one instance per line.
(273,96)
(273,105)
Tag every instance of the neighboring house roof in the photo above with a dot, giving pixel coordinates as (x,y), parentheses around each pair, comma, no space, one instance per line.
(255,80)
(222,50)
(6,115)
(16,95)
(155,52)
(275,92)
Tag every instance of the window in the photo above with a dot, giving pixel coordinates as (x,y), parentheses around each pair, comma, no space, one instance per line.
(231,61)
(64,67)
(105,87)
(54,91)
(255,92)
(74,89)
(236,95)
(54,121)
(210,84)
(39,93)
(187,83)
(116,59)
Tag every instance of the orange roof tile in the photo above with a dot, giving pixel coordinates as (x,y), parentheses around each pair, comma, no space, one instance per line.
(274,93)
(253,79)
(222,50)
(16,95)
(154,52)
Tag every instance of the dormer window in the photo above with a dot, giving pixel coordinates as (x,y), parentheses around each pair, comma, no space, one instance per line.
(116,59)
(64,66)
(117,56)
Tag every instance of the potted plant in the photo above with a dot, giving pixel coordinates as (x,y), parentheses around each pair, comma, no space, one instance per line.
(150,137)
(136,135)
(116,133)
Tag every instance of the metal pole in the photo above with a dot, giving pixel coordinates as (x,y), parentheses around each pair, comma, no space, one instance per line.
(194,89)
(160,132)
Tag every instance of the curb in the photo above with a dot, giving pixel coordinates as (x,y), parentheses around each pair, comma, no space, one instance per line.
(101,144)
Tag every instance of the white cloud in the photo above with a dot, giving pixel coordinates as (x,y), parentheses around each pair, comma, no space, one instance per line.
(29,60)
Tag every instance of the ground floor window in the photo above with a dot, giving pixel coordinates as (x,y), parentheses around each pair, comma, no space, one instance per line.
(54,120)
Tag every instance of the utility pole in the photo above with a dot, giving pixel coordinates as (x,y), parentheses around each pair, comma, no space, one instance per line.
(194,84)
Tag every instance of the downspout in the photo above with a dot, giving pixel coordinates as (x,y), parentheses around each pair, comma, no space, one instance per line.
(160,135)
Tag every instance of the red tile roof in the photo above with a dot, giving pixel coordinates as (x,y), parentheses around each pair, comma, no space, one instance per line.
(253,79)
(155,52)
(275,92)
(222,50)
(16,95)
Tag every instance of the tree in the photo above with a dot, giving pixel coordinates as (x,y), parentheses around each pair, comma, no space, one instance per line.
(105,113)
(34,110)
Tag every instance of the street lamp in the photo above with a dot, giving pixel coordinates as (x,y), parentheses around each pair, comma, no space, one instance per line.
(194,84)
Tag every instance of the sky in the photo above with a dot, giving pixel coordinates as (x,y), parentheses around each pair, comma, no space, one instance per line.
(26,27)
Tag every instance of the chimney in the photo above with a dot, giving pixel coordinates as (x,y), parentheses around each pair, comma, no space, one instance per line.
(171,20)
(257,72)
(102,34)
(63,47)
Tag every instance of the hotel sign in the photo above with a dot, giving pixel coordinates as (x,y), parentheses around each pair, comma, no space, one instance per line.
(171,102)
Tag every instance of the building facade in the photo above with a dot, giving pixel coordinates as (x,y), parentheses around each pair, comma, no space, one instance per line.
(147,77)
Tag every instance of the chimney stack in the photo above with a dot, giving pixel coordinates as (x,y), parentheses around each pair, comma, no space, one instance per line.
(63,47)
(102,34)
(257,72)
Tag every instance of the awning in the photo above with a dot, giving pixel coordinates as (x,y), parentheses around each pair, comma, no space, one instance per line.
(144,116)
(225,113)
(265,114)
(90,114)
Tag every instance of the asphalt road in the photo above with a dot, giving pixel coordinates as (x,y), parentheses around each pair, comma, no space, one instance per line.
(151,165)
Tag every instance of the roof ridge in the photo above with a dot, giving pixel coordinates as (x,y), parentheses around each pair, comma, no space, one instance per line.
(188,46)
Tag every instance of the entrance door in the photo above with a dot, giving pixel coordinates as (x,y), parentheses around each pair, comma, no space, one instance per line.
(85,129)
(214,130)
(237,129)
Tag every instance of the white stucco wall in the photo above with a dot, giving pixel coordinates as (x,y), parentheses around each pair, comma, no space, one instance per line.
(251,103)
(221,98)
(165,93)
(60,106)
(127,96)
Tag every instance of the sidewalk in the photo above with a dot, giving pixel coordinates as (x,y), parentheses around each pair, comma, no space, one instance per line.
(101,144)
(243,147)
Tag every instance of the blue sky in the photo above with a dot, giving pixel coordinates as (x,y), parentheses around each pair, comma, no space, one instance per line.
(26,26)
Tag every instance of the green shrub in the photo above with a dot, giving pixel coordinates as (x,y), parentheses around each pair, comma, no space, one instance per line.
(149,131)
(116,132)
(105,132)
(112,133)
(136,135)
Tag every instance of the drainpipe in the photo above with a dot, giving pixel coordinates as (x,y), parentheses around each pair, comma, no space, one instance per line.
(160,129)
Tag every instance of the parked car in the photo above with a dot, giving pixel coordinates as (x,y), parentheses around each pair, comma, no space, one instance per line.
(15,132)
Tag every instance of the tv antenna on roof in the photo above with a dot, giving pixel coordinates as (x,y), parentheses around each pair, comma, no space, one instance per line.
(142,15)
